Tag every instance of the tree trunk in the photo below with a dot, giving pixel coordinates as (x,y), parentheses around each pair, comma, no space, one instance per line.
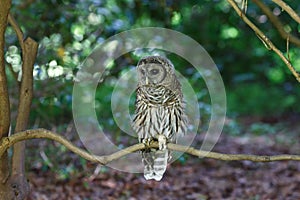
(5,189)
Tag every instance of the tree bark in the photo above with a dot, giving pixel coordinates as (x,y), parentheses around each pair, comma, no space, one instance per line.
(5,192)
(18,178)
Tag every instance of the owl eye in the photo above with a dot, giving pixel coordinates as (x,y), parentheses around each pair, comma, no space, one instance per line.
(154,71)
(142,71)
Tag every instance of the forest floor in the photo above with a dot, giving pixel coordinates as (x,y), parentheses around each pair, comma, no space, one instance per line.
(192,179)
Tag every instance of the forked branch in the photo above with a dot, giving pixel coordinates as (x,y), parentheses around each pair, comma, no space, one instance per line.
(277,23)
(42,133)
(267,42)
(29,51)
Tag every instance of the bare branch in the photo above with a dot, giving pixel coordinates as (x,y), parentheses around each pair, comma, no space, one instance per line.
(29,51)
(231,157)
(288,48)
(265,39)
(288,9)
(17,29)
(43,133)
(277,23)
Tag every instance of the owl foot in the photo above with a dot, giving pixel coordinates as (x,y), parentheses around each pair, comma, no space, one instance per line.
(162,142)
(146,141)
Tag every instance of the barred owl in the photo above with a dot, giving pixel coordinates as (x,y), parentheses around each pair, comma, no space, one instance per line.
(159,112)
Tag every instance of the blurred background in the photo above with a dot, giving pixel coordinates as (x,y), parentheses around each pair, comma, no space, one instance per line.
(262,95)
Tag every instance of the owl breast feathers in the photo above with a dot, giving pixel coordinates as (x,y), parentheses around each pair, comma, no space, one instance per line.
(159,111)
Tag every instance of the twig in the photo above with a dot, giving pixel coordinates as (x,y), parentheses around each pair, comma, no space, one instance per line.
(277,23)
(46,159)
(288,9)
(265,39)
(17,29)
(288,48)
(103,160)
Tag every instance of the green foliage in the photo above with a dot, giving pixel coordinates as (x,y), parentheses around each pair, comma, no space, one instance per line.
(256,80)
(261,100)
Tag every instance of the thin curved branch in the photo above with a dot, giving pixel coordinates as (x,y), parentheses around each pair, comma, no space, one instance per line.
(6,142)
(288,9)
(264,39)
(17,29)
(277,23)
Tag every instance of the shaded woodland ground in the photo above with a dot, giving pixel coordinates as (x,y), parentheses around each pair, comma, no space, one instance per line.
(192,179)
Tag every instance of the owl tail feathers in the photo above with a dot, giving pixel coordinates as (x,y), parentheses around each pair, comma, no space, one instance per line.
(158,165)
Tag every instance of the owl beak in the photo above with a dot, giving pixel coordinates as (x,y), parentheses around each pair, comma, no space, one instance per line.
(146,81)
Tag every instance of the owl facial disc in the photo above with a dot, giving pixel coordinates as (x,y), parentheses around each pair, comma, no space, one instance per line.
(153,70)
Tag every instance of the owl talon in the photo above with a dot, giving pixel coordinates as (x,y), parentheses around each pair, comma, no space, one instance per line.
(146,141)
(162,142)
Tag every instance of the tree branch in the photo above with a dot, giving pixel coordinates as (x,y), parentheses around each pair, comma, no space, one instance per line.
(264,39)
(29,51)
(103,160)
(17,29)
(288,9)
(277,23)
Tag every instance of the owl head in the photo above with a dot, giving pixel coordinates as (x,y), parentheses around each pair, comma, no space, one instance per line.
(155,70)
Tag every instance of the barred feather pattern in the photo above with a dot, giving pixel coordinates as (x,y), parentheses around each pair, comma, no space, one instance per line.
(159,110)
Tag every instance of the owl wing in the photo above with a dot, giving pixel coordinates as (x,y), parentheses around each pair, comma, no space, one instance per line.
(168,120)
(141,114)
